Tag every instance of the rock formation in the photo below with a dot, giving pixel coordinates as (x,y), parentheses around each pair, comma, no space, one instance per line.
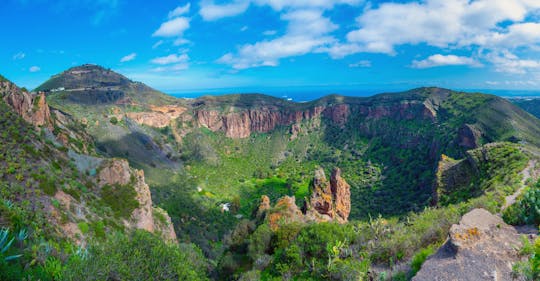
(32,107)
(329,201)
(159,116)
(146,216)
(242,122)
(480,247)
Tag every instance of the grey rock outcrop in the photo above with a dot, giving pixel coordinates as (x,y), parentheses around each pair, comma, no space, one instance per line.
(480,247)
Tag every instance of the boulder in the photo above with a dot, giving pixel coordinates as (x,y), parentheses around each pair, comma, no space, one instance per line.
(480,247)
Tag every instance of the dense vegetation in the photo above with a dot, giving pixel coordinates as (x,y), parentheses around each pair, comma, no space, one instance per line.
(527,208)
(210,185)
(352,251)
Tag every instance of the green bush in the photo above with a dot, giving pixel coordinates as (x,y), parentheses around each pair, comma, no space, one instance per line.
(420,258)
(527,208)
(114,120)
(121,199)
(137,256)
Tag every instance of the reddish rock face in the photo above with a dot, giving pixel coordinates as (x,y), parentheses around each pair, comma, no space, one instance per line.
(240,124)
(329,200)
(341,191)
(33,108)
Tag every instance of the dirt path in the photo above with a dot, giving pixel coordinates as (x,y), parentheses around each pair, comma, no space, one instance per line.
(526,174)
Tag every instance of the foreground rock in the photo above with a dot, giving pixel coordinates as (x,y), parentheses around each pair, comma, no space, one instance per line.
(480,247)
(329,201)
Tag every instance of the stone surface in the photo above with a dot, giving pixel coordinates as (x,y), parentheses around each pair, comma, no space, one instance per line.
(480,247)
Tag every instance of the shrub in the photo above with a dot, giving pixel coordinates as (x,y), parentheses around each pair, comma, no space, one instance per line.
(420,258)
(121,199)
(114,120)
(526,210)
(137,256)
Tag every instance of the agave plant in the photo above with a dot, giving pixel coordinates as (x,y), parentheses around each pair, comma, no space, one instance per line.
(5,244)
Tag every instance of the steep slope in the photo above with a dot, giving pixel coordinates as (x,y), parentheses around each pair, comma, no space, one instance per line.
(531,105)
(72,191)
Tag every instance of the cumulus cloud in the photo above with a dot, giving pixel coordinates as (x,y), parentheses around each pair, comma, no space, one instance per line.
(129,57)
(172,28)
(34,69)
(179,11)
(442,23)
(444,60)
(508,62)
(307,30)
(210,11)
(171,63)
(170,59)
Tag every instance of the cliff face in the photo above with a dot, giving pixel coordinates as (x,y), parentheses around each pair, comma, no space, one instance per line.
(241,123)
(31,107)
(146,216)
(159,116)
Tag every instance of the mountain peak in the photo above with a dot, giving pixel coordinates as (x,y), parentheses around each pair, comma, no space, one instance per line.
(86,76)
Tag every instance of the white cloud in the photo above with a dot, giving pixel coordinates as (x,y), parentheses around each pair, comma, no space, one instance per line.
(129,57)
(34,69)
(362,63)
(170,59)
(19,56)
(173,28)
(179,11)
(510,63)
(442,23)
(307,30)
(444,60)
(172,68)
(284,4)
(210,11)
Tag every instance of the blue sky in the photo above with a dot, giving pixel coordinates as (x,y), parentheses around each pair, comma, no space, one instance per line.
(179,46)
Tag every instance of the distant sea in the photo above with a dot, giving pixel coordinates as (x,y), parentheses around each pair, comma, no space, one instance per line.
(305,94)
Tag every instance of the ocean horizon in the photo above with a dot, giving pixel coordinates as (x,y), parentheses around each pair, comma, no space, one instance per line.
(306,94)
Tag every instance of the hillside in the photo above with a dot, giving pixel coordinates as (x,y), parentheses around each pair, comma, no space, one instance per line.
(531,105)
(233,175)
(59,199)
(200,154)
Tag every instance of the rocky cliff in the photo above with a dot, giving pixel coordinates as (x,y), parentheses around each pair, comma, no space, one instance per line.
(241,122)
(32,107)
(480,247)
